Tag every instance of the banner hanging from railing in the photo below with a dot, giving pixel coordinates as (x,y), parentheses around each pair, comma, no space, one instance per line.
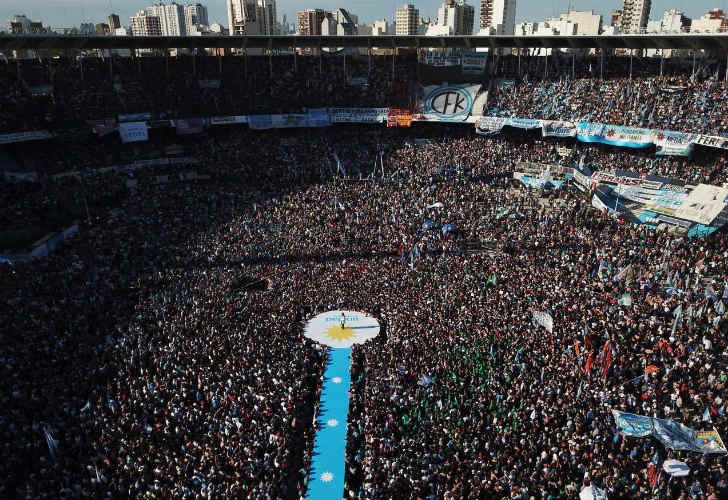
(133,132)
(712,141)
(489,125)
(319,117)
(671,143)
(189,126)
(359,115)
(614,135)
(448,103)
(523,123)
(551,128)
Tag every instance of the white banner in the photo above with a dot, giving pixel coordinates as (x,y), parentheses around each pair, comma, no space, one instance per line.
(551,128)
(359,115)
(489,125)
(133,132)
(670,143)
(712,141)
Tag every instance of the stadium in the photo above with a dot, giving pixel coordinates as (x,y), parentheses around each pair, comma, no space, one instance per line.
(371,271)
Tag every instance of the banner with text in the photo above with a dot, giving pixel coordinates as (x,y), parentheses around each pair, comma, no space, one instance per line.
(614,135)
(448,103)
(133,132)
(359,115)
(523,123)
(489,125)
(551,128)
(712,141)
(671,143)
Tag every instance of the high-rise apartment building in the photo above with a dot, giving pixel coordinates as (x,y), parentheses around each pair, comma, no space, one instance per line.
(252,17)
(143,24)
(195,16)
(171,18)
(308,22)
(635,14)
(498,17)
(407,20)
(456,16)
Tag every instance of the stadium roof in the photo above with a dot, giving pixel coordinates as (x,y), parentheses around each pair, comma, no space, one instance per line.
(715,41)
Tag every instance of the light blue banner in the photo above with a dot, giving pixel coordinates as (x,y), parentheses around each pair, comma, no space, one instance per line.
(328,465)
(614,135)
(319,117)
(523,123)
(674,435)
(633,425)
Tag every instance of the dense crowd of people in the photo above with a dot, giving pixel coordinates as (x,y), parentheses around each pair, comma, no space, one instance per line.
(679,104)
(159,352)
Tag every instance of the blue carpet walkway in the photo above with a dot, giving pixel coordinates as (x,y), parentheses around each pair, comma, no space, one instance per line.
(328,465)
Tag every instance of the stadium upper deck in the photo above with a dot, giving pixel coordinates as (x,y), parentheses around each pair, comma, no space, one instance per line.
(713,42)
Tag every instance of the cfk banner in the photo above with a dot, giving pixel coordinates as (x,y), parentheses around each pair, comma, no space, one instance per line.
(448,103)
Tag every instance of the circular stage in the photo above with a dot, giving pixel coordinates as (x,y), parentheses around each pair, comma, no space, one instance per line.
(341,329)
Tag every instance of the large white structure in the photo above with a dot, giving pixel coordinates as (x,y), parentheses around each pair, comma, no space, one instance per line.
(171,18)
(252,17)
(407,20)
(712,22)
(195,18)
(635,15)
(380,27)
(497,17)
(457,16)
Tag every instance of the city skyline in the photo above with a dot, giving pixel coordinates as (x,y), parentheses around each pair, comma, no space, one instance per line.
(70,13)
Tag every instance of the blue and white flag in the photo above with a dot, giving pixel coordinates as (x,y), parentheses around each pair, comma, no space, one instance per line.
(339,164)
(52,443)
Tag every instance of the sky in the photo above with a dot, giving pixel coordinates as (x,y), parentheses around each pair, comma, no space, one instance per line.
(67,13)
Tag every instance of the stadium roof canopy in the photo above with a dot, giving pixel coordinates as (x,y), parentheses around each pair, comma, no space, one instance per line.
(715,41)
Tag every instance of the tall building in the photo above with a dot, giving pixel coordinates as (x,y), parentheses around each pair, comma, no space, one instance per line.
(616,21)
(171,18)
(309,21)
(407,20)
(673,21)
(145,25)
(268,17)
(195,16)
(114,22)
(456,16)
(252,17)
(498,17)
(635,14)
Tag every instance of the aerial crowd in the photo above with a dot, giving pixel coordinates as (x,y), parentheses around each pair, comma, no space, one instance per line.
(143,359)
